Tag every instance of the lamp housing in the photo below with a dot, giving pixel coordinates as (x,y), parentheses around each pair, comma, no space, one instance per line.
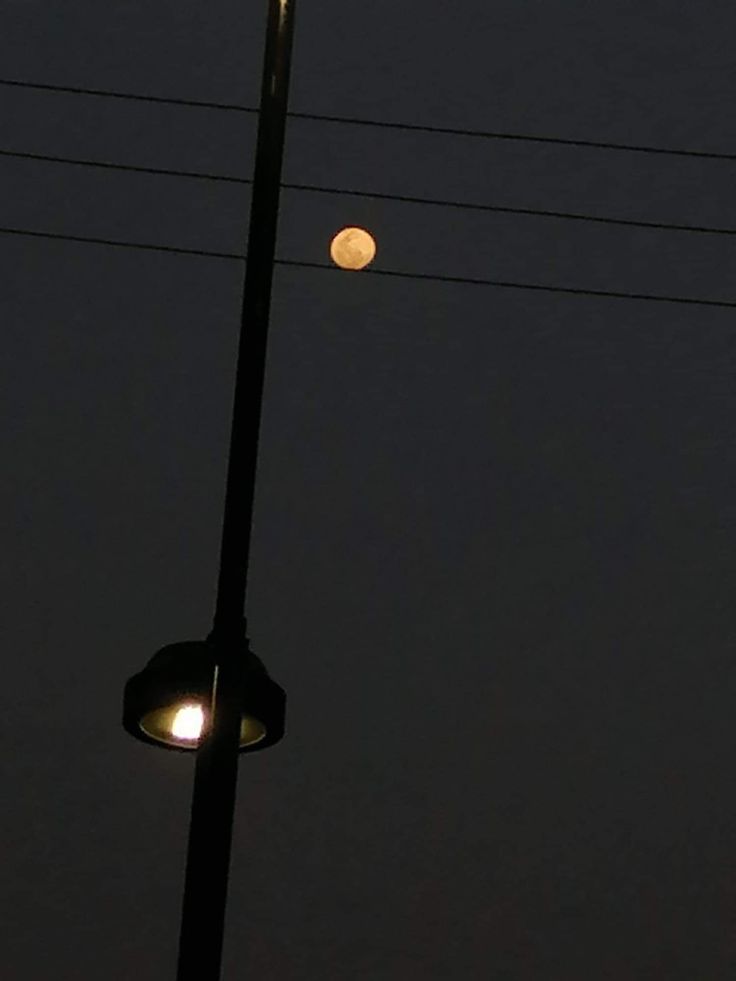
(179,679)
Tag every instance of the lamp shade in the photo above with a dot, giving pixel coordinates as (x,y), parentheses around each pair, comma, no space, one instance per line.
(166,704)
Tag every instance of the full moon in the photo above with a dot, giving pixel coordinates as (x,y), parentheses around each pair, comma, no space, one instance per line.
(353,248)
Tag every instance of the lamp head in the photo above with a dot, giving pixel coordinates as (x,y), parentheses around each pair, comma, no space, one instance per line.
(166,704)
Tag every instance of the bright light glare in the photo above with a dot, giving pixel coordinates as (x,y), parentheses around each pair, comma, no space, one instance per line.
(188,722)
(353,248)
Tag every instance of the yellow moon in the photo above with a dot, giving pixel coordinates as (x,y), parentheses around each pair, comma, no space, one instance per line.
(353,248)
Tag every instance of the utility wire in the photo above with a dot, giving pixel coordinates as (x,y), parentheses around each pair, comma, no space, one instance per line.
(393,273)
(379,196)
(510,210)
(503,284)
(165,172)
(518,137)
(57,236)
(385,124)
(108,94)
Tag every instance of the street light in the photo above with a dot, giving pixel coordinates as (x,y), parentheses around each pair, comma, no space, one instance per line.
(215,696)
(168,703)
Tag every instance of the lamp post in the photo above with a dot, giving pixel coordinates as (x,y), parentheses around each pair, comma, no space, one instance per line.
(215,696)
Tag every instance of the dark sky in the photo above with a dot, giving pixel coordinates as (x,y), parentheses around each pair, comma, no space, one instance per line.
(494,535)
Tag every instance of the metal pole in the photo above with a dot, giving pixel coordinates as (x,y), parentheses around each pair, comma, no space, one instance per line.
(236,528)
(215,778)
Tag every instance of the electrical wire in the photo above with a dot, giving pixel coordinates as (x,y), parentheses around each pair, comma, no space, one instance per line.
(517,137)
(385,124)
(512,210)
(105,165)
(57,236)
(379,196)
(134,96)
(503,284)
(392,273)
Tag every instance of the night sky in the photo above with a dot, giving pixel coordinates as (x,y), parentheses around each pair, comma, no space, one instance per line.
(493,558)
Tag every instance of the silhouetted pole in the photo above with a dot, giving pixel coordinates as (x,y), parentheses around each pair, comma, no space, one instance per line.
(215,778)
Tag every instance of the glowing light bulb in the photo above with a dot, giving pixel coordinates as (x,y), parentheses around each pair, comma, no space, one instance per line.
(353,248)
(188,722)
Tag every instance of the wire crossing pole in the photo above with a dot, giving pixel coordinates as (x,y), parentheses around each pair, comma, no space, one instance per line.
(215,779)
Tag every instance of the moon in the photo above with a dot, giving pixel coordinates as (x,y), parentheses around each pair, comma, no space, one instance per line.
(353,248)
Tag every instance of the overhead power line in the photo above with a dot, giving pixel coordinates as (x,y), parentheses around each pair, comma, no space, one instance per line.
(516,137)
(133,96)
(392,273)
(385,124)
(135,168)
(380,196)
(504,284)
(115,243)
(512,210)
